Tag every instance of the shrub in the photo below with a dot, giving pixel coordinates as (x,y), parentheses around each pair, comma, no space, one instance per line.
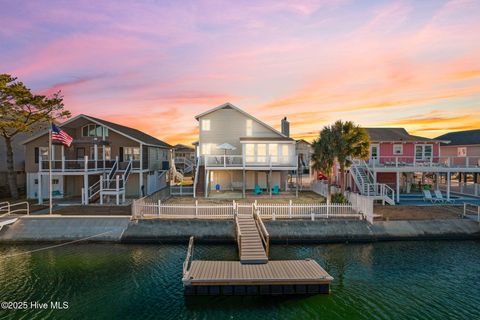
(338,198)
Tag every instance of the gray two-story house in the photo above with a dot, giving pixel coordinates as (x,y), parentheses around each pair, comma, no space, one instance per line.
(236,152)
(105,161)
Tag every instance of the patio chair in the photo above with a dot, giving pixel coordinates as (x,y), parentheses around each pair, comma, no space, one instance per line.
(427,196)
(258,190)
(276,190)
(439,196)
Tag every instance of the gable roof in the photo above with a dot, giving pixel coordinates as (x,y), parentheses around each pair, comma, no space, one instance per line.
(394,134)
(466,137)
(131,133)
(180,146)
(228,105)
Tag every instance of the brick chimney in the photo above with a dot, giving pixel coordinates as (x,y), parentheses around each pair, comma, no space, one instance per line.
(285,127)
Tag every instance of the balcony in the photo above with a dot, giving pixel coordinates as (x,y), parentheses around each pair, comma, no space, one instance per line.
(84,165)
(436,163)
(250,162)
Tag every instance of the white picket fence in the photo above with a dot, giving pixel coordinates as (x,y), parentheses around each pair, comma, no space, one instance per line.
(142,209)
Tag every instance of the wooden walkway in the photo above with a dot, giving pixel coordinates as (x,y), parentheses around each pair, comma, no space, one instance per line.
(250,245)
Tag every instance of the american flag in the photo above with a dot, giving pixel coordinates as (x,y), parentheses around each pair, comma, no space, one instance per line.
(61,136)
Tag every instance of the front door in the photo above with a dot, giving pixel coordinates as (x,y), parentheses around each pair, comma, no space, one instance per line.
(374,153)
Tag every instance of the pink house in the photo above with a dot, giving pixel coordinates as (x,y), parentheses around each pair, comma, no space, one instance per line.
(399,162)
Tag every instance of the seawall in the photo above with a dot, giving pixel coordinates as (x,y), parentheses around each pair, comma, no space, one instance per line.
(122,230)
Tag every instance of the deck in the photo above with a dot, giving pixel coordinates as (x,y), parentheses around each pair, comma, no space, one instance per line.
(274,277)
(254,274)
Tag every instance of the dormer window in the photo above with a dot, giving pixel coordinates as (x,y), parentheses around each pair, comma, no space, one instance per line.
(249,127)
(205,125)
(94,130)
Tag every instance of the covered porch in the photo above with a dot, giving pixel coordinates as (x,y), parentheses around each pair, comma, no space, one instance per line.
(237,184)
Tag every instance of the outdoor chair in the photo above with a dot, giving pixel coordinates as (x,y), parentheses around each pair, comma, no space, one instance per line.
(276,190)
(258,190)
(427,196)
(439,196)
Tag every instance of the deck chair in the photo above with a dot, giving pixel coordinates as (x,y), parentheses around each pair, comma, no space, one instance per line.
(439,196)
(427,196)
(276,190)
(258,190)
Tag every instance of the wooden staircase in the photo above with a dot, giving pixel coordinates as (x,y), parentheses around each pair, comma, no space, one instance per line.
(200,181)
(250,244)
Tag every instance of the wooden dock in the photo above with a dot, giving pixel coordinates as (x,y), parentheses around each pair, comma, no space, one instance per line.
(275,277)
(254,274)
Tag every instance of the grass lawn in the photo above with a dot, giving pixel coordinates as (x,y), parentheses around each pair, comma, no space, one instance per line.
(303,197)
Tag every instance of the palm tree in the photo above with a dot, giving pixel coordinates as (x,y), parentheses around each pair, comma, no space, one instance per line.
(339,143)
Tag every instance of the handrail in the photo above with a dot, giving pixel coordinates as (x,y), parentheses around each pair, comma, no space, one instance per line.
(26,209)
(239,235)
(197,169)
(2,207)
(127,171)
(262,231)
(188,259)
(113,170)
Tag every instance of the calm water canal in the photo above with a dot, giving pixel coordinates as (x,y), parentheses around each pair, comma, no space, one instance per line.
(395,280)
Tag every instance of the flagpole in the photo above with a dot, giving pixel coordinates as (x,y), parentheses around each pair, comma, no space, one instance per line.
(50,153)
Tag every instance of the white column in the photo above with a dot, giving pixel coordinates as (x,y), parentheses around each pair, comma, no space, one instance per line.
(243,185)
(448,184)
(85,187)
(140,177)
(39,193)
(398,187)
(95,154)
(63,158)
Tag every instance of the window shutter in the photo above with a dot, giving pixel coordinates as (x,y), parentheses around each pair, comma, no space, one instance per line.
(120,154)
(37,153)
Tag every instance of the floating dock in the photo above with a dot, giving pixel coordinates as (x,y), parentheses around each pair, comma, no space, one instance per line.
(254,274)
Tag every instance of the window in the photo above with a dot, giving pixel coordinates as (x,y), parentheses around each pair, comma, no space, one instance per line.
(41,152)
(249,127)
(462,152)
(205,124)
(93,130)
(261,152)
(273,152)
(131,153)
(108,153)
(397,149)
(249,152)
(423,151)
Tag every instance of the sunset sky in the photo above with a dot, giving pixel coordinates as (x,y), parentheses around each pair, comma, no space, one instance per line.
(154,65)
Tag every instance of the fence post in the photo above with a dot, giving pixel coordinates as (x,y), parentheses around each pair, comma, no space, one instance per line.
(328,207)
(196,208)
(254,207)
(290,209)
(233,207)
(159,207)
(312,214)
(464,209)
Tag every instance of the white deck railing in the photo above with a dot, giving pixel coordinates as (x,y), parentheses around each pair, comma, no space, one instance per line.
(142,209)
(239,161)
(435,161)
(7,208)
